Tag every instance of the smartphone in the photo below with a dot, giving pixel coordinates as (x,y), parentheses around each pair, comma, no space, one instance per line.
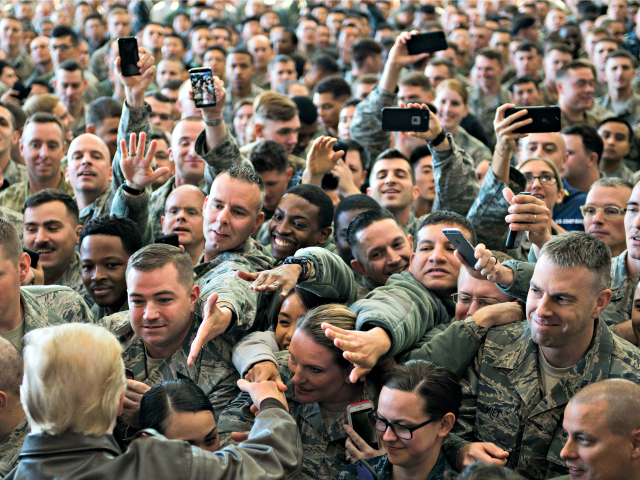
(514,238)
(462,244)
(23,92)
(427,43)
(358,418)
(545,119)
(129,57)
(204,93)
(171,239)
(365,472)
(395,119)
(129,374)
(35,256)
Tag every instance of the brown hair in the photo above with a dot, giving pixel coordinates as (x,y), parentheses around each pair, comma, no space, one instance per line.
(274,106)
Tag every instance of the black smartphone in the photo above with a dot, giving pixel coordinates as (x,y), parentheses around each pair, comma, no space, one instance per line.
(171,239)
(129,57)
(462,244)
(204,93)
(545,119)
(23,92)
(395,119)
(427,43)
(365,472)
(358,419)
(514,238)
(35,256)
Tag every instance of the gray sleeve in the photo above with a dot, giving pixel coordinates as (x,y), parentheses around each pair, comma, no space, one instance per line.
(522,274)
(255,347)
(135,209)
(366,125)
(135,120)
(456,179)
(273,451)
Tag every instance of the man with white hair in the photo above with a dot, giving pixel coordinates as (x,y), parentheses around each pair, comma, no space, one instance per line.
(72,392)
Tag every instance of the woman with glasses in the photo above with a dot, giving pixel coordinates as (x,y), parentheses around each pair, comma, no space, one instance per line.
(316,375)
(417,407)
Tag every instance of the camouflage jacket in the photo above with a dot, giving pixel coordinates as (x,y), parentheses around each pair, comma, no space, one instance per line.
(384,469)
(219,276)
(511,410)
(16,219)
(230,104)
(547,98)
(23,65)
(487,114)
(366,125)
(15,196)
(100,206)
(411,227)
(323,445)
(52,305)
(10,447)
(100,312)
(477,150)
(456,179)
(589,119)
(631,112)
(622,285)
(212,370)
(97,64)
(72,278)
(15,173)
(624,172)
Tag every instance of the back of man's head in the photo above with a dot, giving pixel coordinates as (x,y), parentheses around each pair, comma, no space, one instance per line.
(10,368)
(580,249)
(269,156)
(336,85)
(361,201)
(102,109)
(10,244)
(326,64)
(591,141)
(307,111)
(274,106)
(363,49)
(73,379)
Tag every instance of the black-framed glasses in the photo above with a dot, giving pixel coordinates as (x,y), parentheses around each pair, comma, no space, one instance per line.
(610,212)
(545,179)
(400,431)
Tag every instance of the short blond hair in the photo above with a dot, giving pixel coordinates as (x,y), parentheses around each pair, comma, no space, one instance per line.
(73,379)
(455,85)
(43,103)
(274,106)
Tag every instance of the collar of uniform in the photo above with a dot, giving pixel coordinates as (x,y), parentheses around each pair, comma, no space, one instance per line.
(18,433)
(204,266)
(619,272)
(103,198)
(37,444)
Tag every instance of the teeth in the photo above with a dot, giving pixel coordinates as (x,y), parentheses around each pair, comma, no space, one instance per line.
(45,251)
(282,243)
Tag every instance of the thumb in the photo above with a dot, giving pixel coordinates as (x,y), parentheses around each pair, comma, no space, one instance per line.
(508,195)
(239,436)
(495,451)
(358,373)
(196,346)
(211,304)
(281,386)
(155,176)
(246,276)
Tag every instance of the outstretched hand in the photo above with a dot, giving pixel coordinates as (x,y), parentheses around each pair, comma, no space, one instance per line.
(282,278)
(505,126)
(136,85)
(321,159)
(215,321)
(137,168)
(487,267)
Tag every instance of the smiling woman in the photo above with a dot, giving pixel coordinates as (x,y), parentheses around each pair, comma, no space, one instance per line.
(318,391)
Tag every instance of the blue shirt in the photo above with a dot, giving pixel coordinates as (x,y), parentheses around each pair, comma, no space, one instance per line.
(382,467)
(567,214)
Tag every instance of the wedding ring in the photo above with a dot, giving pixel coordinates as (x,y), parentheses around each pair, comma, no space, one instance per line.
(348,457)
(276,283)
(132,154)
(534,218)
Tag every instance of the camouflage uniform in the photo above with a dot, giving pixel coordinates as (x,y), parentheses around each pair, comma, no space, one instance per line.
(487,112)
(14,218)
(72,278)
(411,227)
(23,65)
(230,104)
(366,125)
(547,99)
(623,172)
(219,276)
(79,125)
(323,445)
(512,411)
(15,196)
(631,113)
(15,173)
(100,312)
(10,447)
(97,64)
(100,206)
(384,469)
(477,150)
(212,371)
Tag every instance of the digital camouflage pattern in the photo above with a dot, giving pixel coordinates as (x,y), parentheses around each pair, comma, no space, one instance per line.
(15,196)
(486,110)
(324,453)
(100,206)
(220,276)
(366,124)
(511,409)
(631,112)
(72,278)
(16,219)
(15,173)
(212,371)
(10,447)
(589,119)
(99,312)
(53,305)
(477,150)
(384,469)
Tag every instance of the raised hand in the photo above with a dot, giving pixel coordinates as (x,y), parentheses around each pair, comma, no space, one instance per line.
(399,53)
(282,278)
(434,125)
(346,185)
(135,86)
(137,168)
(214,112)
(321,159)
(265,371)
(487,267)
(215,321)
(504,127)
(530,214)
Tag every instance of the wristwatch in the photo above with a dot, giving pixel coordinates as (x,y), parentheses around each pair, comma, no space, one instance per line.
(132,191)
(439,139)
(303,262)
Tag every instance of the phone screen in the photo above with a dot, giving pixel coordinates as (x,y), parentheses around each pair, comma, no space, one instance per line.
(129,57)
(204,93)
(362,425)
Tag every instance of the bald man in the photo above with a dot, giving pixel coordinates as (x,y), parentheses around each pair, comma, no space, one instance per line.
(183,215)
(89,174)
(602,422)
(260,48)
(13,423)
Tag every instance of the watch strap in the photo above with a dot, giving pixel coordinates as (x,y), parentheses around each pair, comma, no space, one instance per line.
(132,191)
(439,139)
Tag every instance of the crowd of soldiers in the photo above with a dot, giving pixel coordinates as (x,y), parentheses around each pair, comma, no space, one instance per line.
(204,292)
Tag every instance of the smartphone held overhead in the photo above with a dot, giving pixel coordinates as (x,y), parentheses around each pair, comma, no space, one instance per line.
(395,119)
(545,119)
(204,92)
(129,56)
(430,42)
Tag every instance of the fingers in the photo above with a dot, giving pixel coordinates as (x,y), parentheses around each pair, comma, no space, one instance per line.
(508,195)
(132,142)
(211,304)
(281,386)
(196,346)
(330,330)
(124,153)
(246,276)
(358,373)
(137,387)
(118,66)
(244,385)
(239,436)
(495,451)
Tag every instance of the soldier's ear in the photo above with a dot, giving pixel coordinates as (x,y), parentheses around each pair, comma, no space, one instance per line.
(3,402)
(358,267)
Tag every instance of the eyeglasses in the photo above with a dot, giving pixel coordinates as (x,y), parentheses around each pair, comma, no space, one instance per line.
(610,212)
(163,116)
(544,179)
(467,300)
(188,211)
(400,431)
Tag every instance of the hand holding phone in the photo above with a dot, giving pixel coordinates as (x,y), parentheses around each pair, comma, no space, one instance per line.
(129,56)
(204,92)
(396,119)
(462,244)
(358,419)
(515,238)
(430,42)
(170,239)
(545,119)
